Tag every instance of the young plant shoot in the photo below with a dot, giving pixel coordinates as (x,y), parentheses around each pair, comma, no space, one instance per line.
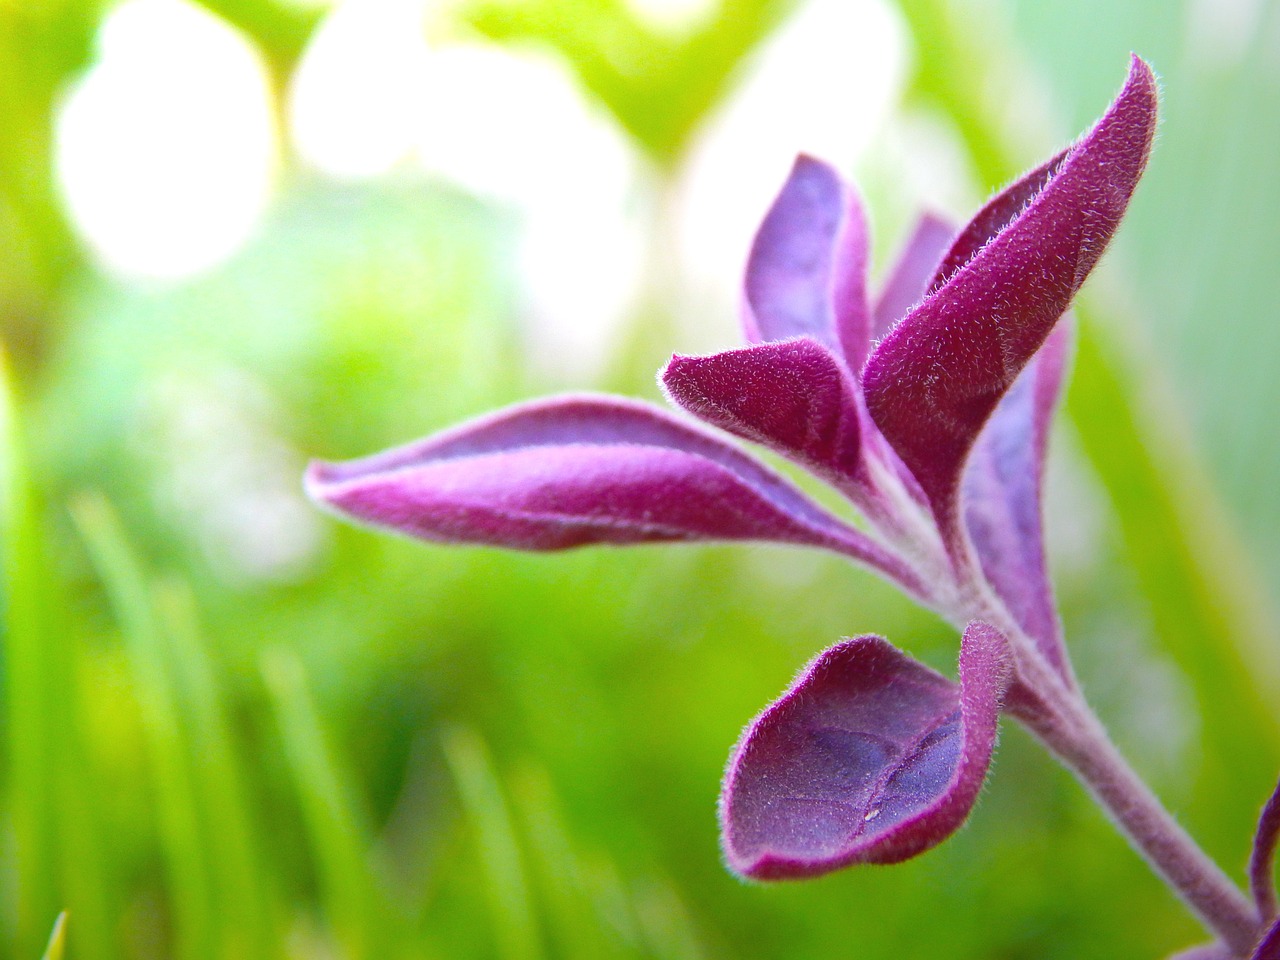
(927,406)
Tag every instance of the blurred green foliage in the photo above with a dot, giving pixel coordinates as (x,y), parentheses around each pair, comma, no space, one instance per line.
(388,750)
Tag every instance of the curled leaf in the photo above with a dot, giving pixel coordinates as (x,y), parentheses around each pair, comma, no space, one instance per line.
(806,274)
(938,375)
(793,396)
(580,470)
(870,757)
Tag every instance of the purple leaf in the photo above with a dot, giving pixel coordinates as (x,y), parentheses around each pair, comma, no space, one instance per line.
(1268,947)
(999,212)
(806,275)
(912,273)
(1262,859)
(793,396)
(1003,480)
(936,377)
(580,470)
(870,757)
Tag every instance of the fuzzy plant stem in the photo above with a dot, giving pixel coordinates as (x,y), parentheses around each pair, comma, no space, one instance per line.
(1064,722)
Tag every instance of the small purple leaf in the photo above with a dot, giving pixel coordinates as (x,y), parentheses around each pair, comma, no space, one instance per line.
(1262,859)
(793,396)
(1268,947)
(1002,487)
(870,757)
(581,470)
(937,376)
(912,272)
(806,275)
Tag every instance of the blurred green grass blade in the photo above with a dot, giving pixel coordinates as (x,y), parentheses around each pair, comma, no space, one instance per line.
(57,947)
(336,834)
(175,795)
(238,872)
(580,929)
(49,780)
(666,924)
(1197,589)
(30,693)
(514,920)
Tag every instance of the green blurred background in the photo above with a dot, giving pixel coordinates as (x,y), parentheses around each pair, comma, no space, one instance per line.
(240,234)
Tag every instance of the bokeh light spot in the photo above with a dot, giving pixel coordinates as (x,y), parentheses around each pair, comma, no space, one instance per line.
(166,148)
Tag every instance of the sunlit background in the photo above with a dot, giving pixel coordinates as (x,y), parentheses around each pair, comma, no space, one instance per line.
(235,235)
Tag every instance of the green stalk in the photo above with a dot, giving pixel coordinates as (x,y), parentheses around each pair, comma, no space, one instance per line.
(173,786)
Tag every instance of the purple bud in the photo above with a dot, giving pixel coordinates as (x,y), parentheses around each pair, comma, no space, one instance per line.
(806,275)
(870,757)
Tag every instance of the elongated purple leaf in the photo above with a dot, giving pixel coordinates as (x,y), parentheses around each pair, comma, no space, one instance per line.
(793,396)
(1269,947)
(870,757)
(1003,480)
(912,272)
(579,470)
(1262,859)
(937,376)
(806,275)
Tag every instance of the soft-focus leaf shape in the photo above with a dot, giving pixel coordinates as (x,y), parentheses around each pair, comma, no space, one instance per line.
(806,274)
(578,470)
(870,757)
(1262,859)
(1203,951)
(793,396)
(937,376)
(913,270)
(1003,480)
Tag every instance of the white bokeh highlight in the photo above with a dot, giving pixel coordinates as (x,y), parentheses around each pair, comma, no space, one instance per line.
(524,136)
(377,92)
(824,84)
(356,95)
(166,148)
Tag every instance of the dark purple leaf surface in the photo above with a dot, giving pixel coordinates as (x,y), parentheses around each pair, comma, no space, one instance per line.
(937,376)
(793,396)
(1003,480)
(1269,947)
(1262,859)
(806,275)
(1000,211)
(870,757)
(578,470)
(912,272)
